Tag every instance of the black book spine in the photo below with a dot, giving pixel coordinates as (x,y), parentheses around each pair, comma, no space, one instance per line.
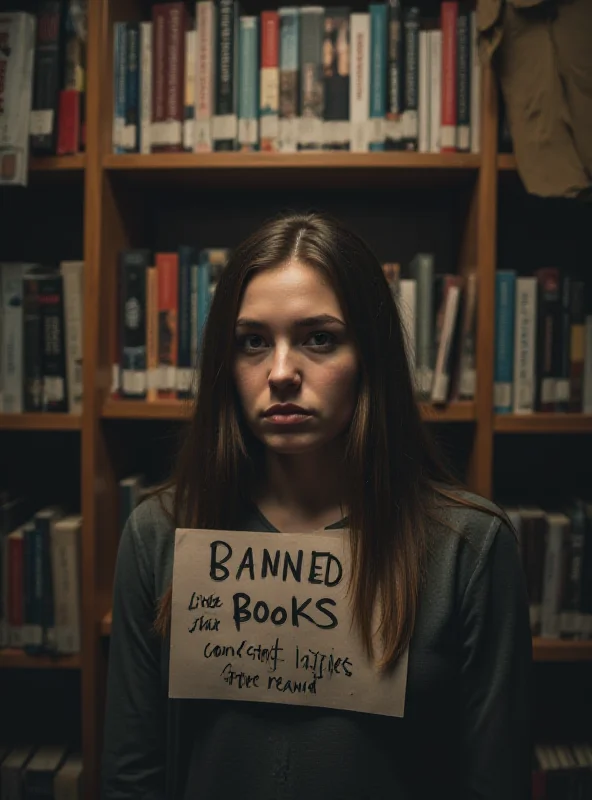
(225,122)
(48,76)
(411,92)
(394,77)
(133,265)
(563,349)
(463,80)
(51,299)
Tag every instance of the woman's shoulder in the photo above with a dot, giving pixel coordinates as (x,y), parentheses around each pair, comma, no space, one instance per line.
(149,534)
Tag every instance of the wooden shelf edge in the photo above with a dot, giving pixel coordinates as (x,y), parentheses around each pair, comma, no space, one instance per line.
(506,162)
(40,422)
(58,163)
(561,650)
(316,160)
(181,409)
(540,422)
(12,658)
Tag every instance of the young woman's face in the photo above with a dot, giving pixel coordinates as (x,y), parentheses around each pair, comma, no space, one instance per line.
(296,366)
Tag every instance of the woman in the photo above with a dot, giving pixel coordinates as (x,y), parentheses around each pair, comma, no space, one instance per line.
(306,419)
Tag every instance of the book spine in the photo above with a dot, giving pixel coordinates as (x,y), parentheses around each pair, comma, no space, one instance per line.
(547,331)
(176,27)
(475,86)
(133,265)
(49,76)
(32,346)
(68,139)
(289,103)
(145,85)
(187,260)
(451,301)
(449,16)
(55,383)
(152,372)
(119,71)
(248,96)
(72,274)
(505,294)
(393,123)
(65,557)
(11,276)
(524,388)
(411,94)
(131,128)
(167,266)
(563,345)
(159,77)
(336,43)
(577,346)
(424,110)
(194,319)
(206,62)
(463,80)
(225,122)
(34,583)
(270,80)
(16,589)
(359,97)
(422,270)
(312,98)
(43,525)
(377,75)
(435,39)
(553,571)
(189,96)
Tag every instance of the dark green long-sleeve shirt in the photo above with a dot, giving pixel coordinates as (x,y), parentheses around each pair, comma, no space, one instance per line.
(466,730)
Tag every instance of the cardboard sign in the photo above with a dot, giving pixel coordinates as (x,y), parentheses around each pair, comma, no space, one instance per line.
(265,617)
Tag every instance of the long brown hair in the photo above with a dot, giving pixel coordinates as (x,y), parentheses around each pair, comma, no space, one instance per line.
(394,480)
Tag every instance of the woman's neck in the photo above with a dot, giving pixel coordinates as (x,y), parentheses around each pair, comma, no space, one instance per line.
(302,492)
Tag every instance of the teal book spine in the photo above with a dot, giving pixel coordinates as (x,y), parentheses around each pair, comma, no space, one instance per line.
(248,95)
(378,12)
(505,293)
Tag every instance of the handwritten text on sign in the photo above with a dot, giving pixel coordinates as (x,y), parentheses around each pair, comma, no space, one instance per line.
(265,617)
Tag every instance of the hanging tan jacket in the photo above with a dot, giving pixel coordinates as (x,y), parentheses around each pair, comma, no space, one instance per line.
(541,51)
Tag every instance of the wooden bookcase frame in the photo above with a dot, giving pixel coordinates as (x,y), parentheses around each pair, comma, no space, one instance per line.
(109,225)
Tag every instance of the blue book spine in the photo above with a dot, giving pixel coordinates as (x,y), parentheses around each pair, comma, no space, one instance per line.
(203,295)
(505,293)
(187,258)
(378,31)
(119,73)
(289,109)
(193,327)
(248,94)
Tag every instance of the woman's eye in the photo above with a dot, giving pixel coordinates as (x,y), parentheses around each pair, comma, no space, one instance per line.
(252,342)
(321,340)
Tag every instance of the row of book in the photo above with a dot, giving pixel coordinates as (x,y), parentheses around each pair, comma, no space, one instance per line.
(164,300)
(43,62)
(556,552)
(543,343)
(40,603)
(41,337)
(297,78)
(40,772)
(562,772)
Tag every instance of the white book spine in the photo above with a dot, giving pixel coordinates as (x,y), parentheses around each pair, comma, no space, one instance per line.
(65,559)
(557,529)
(190,77)
(145,85)
(359,83)
(475,86)
(441,375)
(72,275)
(205,68)
(424,107)
(407,304)
(435,40)
(525,345)
(11,276)
(587,399)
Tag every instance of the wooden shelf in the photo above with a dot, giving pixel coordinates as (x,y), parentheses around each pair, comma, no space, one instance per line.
(561,650)
(57,163)
(40,422)
(543,423)
(18,659)
(506,162)
(180,410)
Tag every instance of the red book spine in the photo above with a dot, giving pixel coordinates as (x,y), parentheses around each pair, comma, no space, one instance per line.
(449,112)
(69,122)
(176,26)
(159,77)
(167,268)
(269,76)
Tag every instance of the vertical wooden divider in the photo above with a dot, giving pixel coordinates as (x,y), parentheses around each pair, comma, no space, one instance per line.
(485,230)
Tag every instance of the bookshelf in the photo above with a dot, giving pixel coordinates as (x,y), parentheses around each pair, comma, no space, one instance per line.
(124,196)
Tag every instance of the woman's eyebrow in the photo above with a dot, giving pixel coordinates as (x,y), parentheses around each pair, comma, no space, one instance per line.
(307,322)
